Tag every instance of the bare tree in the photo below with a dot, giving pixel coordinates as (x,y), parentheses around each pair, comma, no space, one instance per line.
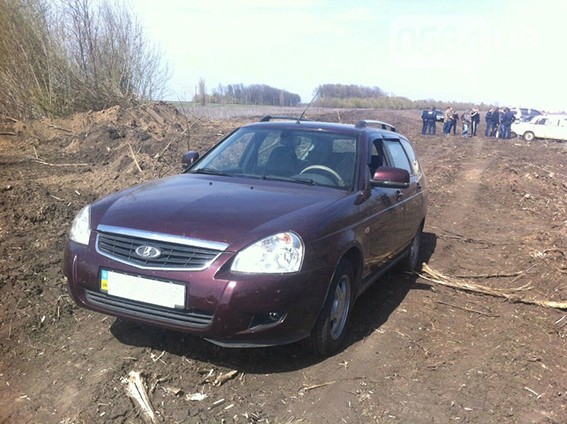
(72,55)
(202,87)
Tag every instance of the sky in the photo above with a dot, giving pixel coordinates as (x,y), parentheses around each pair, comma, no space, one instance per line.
(502,52)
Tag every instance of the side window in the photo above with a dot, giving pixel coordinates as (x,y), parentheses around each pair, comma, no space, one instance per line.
(411,156)
(397,154)
(376,158)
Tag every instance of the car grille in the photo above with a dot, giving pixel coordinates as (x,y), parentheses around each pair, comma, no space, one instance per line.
(119,306)
(174,256)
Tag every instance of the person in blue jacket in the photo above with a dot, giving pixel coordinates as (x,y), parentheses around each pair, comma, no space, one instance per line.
(431,121)
(424,121)
(507,119)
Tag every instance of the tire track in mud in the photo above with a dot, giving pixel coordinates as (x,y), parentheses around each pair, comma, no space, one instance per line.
(463,187)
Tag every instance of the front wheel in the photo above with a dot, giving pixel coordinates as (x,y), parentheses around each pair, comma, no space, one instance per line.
(330,328)
(529,136)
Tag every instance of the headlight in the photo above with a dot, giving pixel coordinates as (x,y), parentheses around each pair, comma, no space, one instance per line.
(81,228)
(280,253)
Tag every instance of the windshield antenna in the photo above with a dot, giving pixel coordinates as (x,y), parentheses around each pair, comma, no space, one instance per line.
(307,107)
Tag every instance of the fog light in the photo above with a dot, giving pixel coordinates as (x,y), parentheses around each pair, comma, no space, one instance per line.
(275,316)
(270,318)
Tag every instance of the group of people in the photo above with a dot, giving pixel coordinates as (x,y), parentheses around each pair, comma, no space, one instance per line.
(498,122)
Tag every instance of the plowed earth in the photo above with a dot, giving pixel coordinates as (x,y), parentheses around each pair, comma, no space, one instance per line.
(417,351)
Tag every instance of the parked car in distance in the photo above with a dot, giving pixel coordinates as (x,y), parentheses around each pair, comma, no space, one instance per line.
(524,114)
(439,115)
(267,239)
(552,127)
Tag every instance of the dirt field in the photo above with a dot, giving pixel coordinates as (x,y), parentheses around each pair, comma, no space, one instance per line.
(418,352)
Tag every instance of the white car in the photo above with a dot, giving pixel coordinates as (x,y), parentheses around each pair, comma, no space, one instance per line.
(544,126)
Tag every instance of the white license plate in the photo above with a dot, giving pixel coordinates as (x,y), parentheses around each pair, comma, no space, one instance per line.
(162,293)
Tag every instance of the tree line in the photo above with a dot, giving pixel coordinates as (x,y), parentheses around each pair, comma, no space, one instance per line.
(66,56)
(254,94)
(348,96)
(349,91)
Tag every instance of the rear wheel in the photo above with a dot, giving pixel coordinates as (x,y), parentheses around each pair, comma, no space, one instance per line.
(529,136)
(411,261)
(330,328)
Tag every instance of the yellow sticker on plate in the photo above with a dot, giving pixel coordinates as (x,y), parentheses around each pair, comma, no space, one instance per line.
(104,280)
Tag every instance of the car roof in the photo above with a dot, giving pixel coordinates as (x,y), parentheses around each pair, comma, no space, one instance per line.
(286,123)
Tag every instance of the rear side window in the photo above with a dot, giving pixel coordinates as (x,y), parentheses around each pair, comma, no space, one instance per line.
(411,156)
(397,155)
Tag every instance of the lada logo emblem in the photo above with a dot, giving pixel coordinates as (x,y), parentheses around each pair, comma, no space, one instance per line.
(148,252)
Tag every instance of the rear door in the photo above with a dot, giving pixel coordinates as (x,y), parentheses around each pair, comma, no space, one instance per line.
(409,198)
(556,129)
(384,228)
(415,206)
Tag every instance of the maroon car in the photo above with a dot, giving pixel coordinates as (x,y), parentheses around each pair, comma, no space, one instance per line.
(267,239)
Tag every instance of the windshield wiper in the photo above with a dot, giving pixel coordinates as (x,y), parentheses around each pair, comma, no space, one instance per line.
(299,180)
(210,171)
(307,181)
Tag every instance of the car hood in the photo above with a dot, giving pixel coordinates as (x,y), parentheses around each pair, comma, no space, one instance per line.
(222,209)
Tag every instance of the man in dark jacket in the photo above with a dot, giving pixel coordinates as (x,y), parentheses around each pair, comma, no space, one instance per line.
(431,121)
(496,118)
(488,120)
(454,120)
(507,120)
(424,121)
(475,120)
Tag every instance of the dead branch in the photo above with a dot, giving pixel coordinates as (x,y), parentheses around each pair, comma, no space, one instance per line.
(60,128)
(497,275)
(159,155)
(135,389)
(316,386)
(509,294)
(468,309)
(134,157)
(223,378)
(455,236)
(42,162)
(7,133)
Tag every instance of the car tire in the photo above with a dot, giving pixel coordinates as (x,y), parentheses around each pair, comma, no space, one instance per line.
(529,136)
(329,332)
(411,261)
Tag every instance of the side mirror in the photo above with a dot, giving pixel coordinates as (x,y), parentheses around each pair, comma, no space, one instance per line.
(189,158)
(389,177)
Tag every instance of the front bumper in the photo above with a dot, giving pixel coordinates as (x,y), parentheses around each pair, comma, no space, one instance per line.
(226,308)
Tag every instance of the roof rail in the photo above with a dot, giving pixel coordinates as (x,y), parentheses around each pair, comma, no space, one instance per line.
(384,125)
(268,118)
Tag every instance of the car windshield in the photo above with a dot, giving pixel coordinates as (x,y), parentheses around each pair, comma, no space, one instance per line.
(300,156)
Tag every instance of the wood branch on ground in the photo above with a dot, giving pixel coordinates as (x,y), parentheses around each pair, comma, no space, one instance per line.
(135,160)
(42,162)
(513,294)
(56,127)
(136,390)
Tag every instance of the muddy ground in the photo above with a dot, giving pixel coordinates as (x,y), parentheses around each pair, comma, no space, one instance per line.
(417,352)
